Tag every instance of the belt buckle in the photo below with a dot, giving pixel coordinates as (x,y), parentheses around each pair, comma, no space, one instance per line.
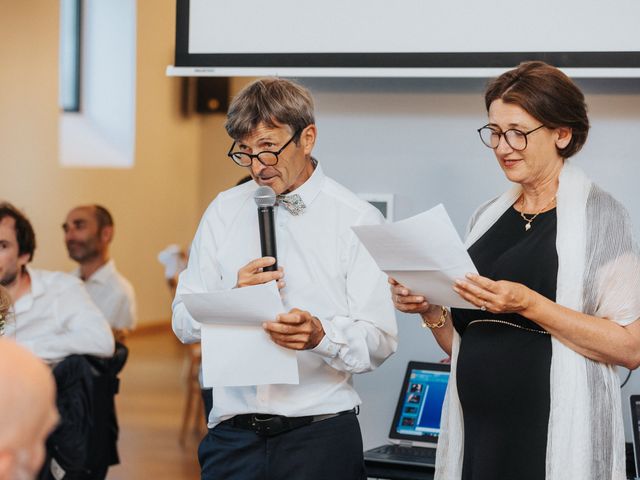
(271,425)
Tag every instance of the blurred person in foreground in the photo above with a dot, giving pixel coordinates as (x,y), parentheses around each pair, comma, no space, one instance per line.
(27,408)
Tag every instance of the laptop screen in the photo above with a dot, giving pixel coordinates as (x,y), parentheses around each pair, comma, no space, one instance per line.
(635,426)
(419,407)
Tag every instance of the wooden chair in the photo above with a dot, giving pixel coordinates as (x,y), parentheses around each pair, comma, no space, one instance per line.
(192,416)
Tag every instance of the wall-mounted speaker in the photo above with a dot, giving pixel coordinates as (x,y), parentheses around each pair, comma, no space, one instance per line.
(212,94)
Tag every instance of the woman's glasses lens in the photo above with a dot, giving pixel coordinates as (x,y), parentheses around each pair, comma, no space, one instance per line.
(516,139)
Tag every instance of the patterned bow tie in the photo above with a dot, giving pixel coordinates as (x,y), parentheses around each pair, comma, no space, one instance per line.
(293,203)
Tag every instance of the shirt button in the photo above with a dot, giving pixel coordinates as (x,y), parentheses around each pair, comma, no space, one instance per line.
(262,395)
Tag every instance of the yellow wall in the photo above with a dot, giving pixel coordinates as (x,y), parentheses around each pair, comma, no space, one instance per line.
(158,201)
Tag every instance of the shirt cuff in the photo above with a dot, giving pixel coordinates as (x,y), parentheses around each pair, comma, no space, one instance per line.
(331,343)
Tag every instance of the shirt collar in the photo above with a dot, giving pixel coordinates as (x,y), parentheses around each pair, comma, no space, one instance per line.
(37,284)
(310,189)
(102,274)
(25,302)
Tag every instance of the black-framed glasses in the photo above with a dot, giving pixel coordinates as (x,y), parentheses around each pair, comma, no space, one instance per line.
(516,139)
(266,158)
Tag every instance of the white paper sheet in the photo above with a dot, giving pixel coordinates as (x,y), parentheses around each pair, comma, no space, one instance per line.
(239,306)
(424,253)
(236,351)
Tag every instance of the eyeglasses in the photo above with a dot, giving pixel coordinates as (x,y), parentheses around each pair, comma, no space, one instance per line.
(266,158)
(516,139)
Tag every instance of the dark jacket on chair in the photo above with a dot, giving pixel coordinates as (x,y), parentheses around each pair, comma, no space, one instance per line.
(84,444)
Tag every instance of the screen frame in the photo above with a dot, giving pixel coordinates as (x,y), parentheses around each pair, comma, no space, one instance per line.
(401,60)
(635,427)
(414,365)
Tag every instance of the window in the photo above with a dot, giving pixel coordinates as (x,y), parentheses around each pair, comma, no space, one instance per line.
(97,83)
(69,81)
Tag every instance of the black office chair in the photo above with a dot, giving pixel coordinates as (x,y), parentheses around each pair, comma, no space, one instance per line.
(84,444)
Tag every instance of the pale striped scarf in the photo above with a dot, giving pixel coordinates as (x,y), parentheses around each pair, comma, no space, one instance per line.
(598,274)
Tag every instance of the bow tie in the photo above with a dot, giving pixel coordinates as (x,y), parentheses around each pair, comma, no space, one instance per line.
(293,203)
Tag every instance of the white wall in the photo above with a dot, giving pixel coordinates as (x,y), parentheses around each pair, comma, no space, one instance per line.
(417,139)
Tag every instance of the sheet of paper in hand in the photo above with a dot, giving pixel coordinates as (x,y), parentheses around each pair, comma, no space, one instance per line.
(423,252)
(236,351)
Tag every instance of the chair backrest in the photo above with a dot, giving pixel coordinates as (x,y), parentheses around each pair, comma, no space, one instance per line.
(85,441)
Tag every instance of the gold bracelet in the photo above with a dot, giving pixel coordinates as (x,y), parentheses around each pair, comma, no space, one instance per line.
(439,324)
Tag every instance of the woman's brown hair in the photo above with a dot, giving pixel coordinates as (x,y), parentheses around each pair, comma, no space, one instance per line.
(547,94)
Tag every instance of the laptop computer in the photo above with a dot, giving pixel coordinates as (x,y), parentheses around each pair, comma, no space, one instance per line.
(416,424)
(635,427)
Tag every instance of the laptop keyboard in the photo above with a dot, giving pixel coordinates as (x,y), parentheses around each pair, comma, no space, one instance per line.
(409,453)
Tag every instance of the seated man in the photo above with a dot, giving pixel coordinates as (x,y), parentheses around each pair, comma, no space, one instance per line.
(27,410)
(88,232)
(53,315)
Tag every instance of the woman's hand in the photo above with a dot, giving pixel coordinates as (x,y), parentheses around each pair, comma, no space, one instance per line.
(495,296)
(405,302)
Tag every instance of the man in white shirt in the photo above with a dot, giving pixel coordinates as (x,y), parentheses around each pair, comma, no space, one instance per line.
(53,315)
(27,411)
(88,232)
(339,318)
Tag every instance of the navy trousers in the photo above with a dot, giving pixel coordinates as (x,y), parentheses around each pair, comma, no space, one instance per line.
(328,449)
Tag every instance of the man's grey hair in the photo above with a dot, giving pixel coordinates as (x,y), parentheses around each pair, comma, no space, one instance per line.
(270,101)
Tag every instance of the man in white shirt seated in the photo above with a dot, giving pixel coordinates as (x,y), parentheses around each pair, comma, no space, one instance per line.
(53,315)
(27,411)
(88,232)
(339,319)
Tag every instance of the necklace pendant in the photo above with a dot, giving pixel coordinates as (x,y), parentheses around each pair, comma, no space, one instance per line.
(527,226)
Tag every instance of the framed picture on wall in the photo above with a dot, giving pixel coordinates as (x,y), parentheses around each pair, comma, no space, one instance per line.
(382,201)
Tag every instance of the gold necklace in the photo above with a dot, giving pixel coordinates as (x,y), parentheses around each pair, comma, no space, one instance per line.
(527,226)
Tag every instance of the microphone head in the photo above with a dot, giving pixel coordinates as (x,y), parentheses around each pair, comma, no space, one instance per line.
(265,197)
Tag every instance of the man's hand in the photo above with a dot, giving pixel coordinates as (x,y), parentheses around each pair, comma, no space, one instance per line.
(297,330)
(252,274)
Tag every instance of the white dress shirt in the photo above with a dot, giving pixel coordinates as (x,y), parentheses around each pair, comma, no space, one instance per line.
(113,294)
(57,318)
(327,272)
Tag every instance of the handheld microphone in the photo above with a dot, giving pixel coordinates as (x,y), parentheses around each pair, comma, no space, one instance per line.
(265,198)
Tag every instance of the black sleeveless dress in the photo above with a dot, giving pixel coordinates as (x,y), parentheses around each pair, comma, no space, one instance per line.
(503,368)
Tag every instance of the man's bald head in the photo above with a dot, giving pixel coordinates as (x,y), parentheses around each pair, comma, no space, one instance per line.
(27,411)
(88,231)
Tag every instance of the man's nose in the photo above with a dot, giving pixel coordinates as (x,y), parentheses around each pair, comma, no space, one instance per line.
(256,166)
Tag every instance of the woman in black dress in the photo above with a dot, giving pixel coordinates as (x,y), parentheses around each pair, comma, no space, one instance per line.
(533,392)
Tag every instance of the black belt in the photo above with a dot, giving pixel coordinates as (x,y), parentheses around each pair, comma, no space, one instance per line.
(267,425)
